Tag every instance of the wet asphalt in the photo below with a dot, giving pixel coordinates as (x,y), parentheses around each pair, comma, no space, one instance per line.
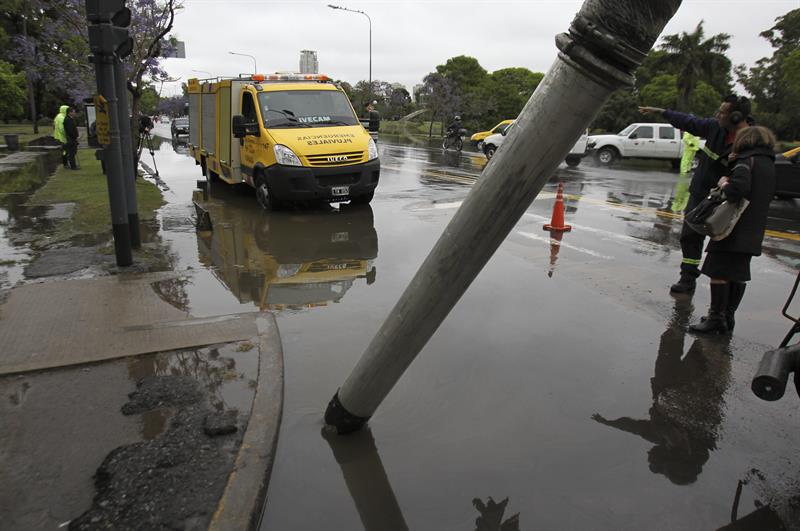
(562,392)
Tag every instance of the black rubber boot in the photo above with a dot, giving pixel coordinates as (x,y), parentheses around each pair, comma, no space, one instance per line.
(714,322)
(735,294)
(686,284)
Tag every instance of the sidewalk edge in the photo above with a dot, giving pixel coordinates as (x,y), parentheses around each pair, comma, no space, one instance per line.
(242,502)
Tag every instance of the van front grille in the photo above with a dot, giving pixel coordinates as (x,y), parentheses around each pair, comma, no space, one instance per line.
(335,159)
(338,179)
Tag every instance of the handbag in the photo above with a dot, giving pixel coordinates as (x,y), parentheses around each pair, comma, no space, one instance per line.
(715,216)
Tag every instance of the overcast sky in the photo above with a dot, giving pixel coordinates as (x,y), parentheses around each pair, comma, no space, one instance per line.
(409,38)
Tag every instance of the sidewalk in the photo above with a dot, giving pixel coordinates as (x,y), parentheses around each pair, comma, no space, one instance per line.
(140,413)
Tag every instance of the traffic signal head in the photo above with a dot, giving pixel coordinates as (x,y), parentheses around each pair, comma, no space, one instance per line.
(107,29)
(108,11)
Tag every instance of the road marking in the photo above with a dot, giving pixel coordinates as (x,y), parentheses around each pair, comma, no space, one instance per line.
(621,206)
(552,241)
(615,235)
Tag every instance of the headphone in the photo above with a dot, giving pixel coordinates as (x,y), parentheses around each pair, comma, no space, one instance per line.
(736,117)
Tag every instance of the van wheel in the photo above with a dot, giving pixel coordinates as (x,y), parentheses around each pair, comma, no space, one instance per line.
(489,151)
(572,161)
(363,199)
(263,196)
(607,155)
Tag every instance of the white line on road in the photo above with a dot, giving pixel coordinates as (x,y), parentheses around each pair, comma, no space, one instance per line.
(544,239)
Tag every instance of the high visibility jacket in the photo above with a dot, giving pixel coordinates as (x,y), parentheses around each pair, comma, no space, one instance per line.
(714,155)
(691,144)
(58,125)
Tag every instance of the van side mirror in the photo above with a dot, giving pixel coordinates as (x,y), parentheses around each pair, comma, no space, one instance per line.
(242,128)
(634,136)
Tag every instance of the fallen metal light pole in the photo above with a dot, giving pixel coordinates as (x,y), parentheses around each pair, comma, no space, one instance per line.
(607,40)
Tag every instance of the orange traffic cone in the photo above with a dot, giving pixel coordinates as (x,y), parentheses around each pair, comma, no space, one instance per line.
(557,221)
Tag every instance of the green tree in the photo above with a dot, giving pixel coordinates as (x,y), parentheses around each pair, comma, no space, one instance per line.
(510,90)
(773,82)
(12,92)
(620,110)
(149,100)
(471,86)
(440,96)
(694,58)
(662,91)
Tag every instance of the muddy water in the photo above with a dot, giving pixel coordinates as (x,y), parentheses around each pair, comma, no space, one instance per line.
(20,225)
(561,393)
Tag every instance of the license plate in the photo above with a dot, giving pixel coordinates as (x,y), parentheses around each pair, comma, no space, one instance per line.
(340,190)
(340,237)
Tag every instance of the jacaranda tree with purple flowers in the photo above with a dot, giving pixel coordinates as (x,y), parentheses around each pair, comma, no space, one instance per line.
(49,43)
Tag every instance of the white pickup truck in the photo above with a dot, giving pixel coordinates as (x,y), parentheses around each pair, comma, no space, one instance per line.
(642,140)
(493,142)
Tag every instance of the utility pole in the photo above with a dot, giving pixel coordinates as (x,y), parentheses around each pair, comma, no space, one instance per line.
(128,161)
(108,41)
(606,42)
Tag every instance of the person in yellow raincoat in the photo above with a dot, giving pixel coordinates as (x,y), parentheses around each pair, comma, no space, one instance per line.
(691,144)
(59,133)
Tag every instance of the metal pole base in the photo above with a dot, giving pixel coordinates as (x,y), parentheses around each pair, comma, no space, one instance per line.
(337,416)
(122,244)
(133,225)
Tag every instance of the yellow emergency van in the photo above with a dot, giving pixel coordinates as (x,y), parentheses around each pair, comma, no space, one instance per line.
(292,137)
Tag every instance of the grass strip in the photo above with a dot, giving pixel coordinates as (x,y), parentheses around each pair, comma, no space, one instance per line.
(88,189)
(25,131)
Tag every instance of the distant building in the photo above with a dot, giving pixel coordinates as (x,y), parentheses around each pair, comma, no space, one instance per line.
(417,95)
(308,62)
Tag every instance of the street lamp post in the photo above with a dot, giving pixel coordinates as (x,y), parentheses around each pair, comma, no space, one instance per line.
(369,92)
(255,66)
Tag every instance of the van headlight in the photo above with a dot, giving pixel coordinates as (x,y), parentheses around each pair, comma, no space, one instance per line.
(285,156)
(372,150)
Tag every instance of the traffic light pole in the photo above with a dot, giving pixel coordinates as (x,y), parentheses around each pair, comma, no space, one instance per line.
(112,159)
(607,41)
(128,164)
(109,42)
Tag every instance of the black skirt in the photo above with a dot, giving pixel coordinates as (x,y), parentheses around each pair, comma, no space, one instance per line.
(734,267)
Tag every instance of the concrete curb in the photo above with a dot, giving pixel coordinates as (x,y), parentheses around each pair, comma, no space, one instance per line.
(242,502)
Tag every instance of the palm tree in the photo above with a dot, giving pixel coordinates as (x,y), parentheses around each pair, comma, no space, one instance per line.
(695,59)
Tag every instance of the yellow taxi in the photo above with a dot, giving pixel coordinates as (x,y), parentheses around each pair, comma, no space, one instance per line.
(477,138)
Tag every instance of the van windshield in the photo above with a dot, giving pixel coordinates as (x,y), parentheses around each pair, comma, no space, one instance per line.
(305,108)
(627,130)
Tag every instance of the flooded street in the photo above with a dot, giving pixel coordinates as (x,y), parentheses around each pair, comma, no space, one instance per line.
(562,392)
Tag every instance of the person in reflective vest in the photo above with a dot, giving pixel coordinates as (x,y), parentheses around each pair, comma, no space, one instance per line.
(719,133)
(59,133)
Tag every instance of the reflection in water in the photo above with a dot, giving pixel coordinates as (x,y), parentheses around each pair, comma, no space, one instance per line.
(688,401)
(555,246)
(491,518)
(289,260)
(366,480)
(372,492)
(764,518)
(180,145)
(212,370)
(681,195)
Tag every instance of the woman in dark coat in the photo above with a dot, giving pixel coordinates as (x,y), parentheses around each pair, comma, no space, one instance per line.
(727,261)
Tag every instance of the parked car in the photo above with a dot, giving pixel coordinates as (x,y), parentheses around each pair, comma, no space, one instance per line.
(493,142)
(787,174)
(478,138)
(180,126)
(639,140)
